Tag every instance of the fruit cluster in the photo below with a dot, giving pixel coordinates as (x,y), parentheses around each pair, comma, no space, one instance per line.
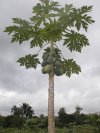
(51,61)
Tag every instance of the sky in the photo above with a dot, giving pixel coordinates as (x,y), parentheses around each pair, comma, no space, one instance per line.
(19,85)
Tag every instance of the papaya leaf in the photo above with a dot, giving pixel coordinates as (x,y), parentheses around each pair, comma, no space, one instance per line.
(75,41)
(43,11)
(80,17)
(21,22)
(53,31)
(70,67)
(85,9)
(21,31)
(29,61)
(38,38)
(66,16)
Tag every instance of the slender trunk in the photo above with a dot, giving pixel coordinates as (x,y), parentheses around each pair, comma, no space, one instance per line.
(51,119)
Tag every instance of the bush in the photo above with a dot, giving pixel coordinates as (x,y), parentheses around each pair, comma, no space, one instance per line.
(37,122)
(13,122)
(2,118)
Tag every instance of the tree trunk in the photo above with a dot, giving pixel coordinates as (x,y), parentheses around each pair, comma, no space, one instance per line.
(51,119)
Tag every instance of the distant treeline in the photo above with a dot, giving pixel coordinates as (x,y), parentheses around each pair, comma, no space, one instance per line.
(23,116)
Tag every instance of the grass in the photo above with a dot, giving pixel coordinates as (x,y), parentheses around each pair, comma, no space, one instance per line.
(78,129)
(14,130)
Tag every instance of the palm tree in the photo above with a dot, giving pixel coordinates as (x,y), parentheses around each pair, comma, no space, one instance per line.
(27,111)
(16,111)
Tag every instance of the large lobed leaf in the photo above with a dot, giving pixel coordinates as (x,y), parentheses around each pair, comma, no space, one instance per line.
(81,18)
(44,11)
(21,31)
(53,31)
(66,16)
(24,31)
(29,61)
(70,67)
(70,16)
(75,41)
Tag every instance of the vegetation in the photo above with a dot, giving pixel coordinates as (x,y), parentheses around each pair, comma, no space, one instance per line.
(50,24)
(65,123)
(24,111)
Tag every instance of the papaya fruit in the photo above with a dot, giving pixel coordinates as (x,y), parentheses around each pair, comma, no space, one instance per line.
(57,64)
(53,53)
(48,68)
(50,60)
(57,72)
(43,70)
(44,63)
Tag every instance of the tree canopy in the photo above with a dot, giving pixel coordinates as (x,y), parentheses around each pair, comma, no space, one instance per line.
(52,23)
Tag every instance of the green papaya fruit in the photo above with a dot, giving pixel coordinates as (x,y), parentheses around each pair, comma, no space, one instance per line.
(48,68)
(50,60)
(57,72)
(57,64)
(44,63)
(53,53)
(43,70)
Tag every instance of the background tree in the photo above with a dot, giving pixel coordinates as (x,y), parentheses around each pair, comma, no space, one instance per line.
(50,24)
(13,122)
(2,118)
(24,111)
(27,111)
(78,110)
(95,121)
(78,116)
(16,111)
(63,118)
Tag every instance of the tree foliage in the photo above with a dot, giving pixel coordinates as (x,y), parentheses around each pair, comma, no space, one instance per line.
(51,23)
(13,122)
(24,111)
(73,121)
(30,61)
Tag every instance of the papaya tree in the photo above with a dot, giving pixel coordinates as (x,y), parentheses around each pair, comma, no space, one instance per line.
(50,24)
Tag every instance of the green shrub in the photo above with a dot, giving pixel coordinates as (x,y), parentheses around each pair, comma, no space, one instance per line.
(2,118)
(13,122)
